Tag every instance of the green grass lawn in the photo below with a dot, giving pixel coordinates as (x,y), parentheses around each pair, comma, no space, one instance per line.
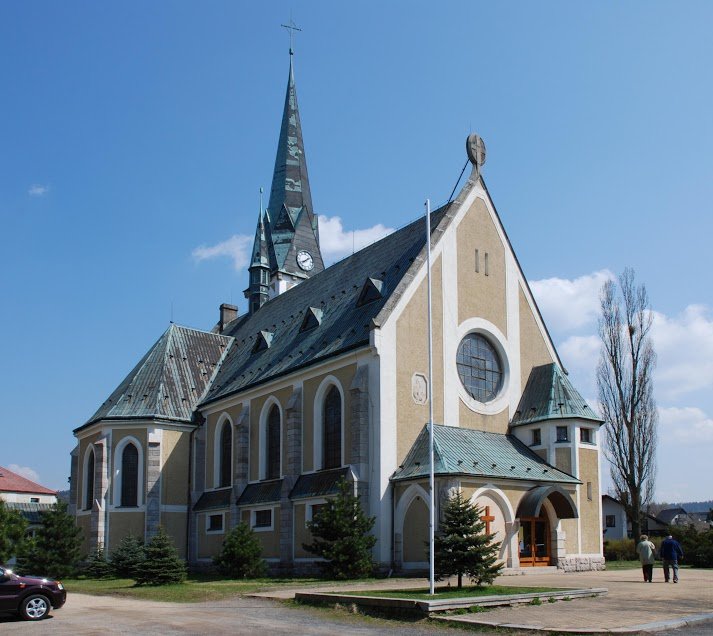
(445,592)
(195,589)
(623,565)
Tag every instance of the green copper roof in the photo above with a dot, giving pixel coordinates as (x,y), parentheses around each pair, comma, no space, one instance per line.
(464,451)
(550,395)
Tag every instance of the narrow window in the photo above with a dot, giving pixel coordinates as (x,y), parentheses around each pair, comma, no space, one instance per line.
(487,269)
(272,469)
(589,490)
(130,476)
(536,437)
(226,455)
(562,434)
(477,261)
(332,437)
(89,481)
(585,435)
(611,521)
(34,500)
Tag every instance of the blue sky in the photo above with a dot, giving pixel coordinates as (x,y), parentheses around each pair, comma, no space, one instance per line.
(135,138)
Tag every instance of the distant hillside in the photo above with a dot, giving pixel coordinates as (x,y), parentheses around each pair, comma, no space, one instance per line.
(695,506)
(63,495)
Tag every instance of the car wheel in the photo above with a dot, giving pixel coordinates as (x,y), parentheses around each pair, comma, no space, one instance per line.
(35,607)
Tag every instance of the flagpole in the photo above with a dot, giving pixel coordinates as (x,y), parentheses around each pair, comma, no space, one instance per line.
(432,507)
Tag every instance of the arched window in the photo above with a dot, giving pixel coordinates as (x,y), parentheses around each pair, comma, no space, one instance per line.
(272,447)
(89,481)
(226,455)
(130,476)
(332,429)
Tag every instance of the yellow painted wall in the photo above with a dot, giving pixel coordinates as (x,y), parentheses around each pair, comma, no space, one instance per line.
(174,459)
(209,545)
(122,523)
(269,540)
(283,397)
(497,423)
(174,523)
(571,540)
(589,509)
(412,357)
(478,294)
(345,375)
(563,458)
(533,348)
(415,537)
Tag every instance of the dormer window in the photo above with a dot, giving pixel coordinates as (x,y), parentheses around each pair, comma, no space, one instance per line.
(263,341)
(371,291)
(312,319)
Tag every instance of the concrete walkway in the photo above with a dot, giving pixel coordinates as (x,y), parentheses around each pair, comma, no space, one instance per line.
(630,606)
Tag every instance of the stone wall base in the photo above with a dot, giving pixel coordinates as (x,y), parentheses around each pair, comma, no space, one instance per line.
(575,563)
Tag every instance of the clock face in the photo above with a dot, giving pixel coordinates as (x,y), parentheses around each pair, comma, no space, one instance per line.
(304,260)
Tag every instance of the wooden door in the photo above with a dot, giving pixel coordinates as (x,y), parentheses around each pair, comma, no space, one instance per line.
(534,541)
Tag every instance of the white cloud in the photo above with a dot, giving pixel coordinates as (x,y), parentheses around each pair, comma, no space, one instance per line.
(237,247)
(684,345)
(38,190)
(25,471)
(568,305)
(336,242)
(688,425)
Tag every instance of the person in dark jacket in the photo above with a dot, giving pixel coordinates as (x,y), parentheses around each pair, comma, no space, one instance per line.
(670,552)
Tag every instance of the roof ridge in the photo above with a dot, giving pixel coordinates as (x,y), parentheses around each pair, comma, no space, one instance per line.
(161,380)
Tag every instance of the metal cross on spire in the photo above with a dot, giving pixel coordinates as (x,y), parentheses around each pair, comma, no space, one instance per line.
(291,27)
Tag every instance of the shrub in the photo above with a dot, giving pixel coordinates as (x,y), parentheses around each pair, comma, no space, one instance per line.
(241,554)
(342,536)
(697,546)
(128,557)
(162,565)
(620,550)
(12,532)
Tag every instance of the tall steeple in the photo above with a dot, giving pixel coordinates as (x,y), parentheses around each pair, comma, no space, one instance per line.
(292,230)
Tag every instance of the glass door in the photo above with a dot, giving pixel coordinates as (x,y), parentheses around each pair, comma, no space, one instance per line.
(534,542)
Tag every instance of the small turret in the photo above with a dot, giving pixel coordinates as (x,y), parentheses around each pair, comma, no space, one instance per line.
(257,291)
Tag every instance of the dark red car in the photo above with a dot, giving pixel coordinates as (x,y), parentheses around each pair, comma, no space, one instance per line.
(29,596)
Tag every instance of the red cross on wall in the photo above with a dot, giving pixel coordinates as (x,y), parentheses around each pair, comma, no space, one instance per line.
(487,518)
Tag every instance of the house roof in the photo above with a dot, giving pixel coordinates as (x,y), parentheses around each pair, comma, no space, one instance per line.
(261,493)
(669,514)
(320,484)
(549,395)
(473,453)
(32,512)
(345,322)
(169,380)
(12,482)
(214,499)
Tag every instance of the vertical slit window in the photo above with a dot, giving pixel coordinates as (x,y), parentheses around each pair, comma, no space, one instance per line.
(477,261)
(226,455)
(487,269)
(130,476)
(332,429)
(89,481)
(273,444)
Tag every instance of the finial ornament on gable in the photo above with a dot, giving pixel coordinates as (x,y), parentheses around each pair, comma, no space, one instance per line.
(475,147)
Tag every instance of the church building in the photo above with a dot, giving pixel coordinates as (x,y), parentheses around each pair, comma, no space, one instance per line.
(326,377)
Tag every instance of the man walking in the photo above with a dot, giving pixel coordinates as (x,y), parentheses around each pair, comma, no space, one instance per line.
(670,552)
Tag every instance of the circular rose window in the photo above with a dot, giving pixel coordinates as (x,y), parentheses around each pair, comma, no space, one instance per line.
(479,367)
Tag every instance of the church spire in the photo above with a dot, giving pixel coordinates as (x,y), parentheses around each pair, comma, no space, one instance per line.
(293,226)
(257,291)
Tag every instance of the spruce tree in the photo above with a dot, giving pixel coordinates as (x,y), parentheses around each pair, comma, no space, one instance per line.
(241,554)
(463,547)
(128,557)
(12,532)
(55,549)
(341,532)
(97,566)
(162,565)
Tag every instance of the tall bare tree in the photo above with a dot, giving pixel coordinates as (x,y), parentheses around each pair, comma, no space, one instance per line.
(624,379)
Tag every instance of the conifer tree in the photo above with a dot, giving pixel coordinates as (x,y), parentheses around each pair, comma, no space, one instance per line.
(462,546)
(97,566)
(128,557)
(341,532)
(162,565)
(241,556)
(55,549)
(12,532)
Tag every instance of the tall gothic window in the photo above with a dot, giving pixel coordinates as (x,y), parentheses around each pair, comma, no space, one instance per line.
(272,450)
(89,481)
(226,454)
(332,429)
(130,476)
